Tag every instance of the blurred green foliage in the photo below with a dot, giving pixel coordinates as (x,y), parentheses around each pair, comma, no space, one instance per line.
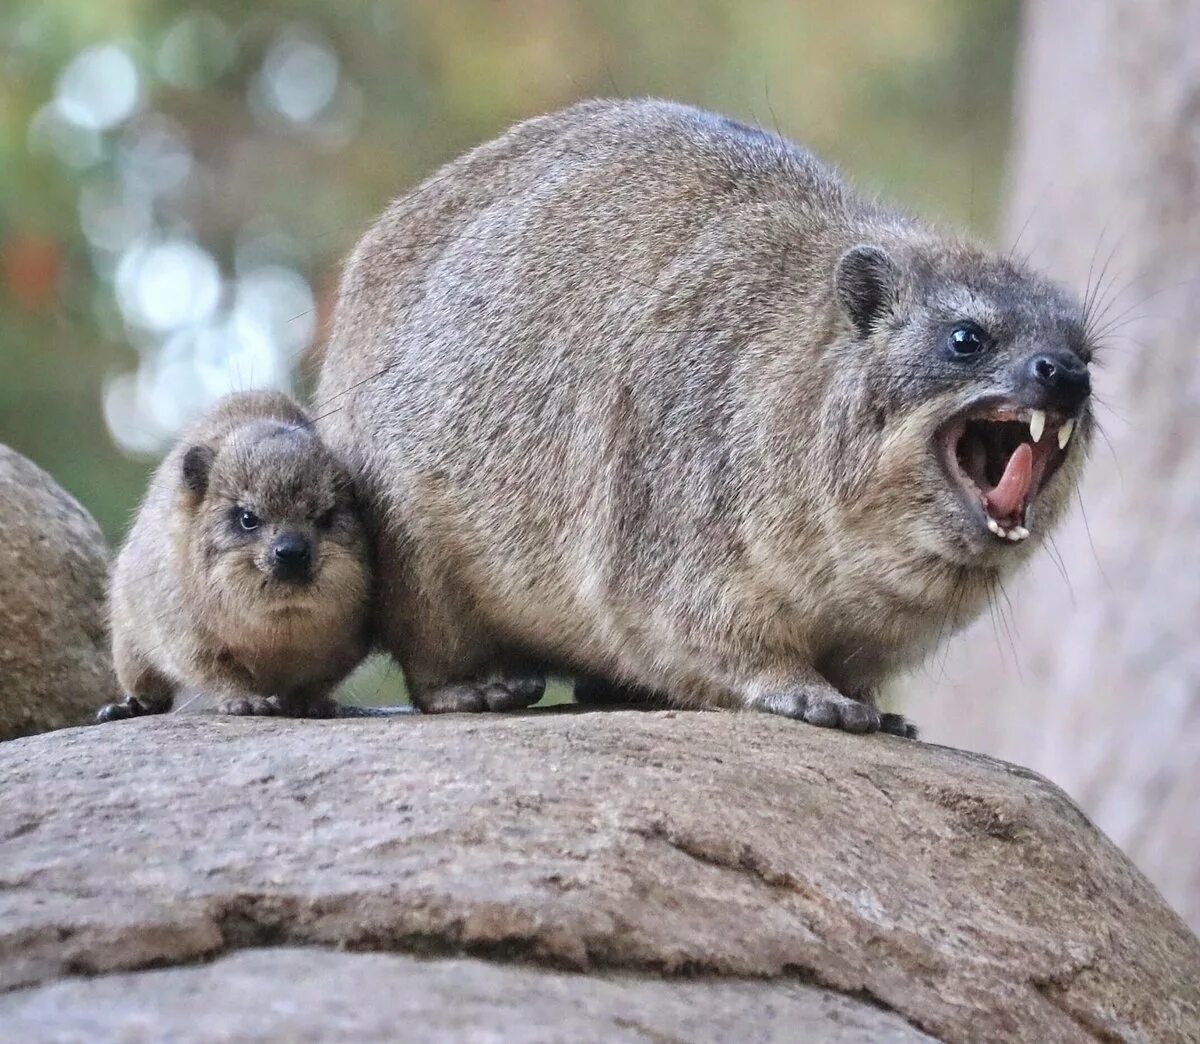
(911,98)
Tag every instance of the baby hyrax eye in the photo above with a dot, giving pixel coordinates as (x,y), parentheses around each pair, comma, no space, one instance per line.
(247,520)
(325,519)
(967,340)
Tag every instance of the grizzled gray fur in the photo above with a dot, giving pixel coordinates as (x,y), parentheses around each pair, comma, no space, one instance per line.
(651,398)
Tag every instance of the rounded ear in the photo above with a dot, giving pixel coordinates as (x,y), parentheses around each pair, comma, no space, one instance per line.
(866,280)
(197,462)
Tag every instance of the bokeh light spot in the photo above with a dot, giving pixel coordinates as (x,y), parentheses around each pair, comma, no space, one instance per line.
(98,89)
(167,285)
(299,77)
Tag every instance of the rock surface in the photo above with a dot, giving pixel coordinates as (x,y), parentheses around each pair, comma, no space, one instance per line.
(934,891)
(54,660)
(312,995)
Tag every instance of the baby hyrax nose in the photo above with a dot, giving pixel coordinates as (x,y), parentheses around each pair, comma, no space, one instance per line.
(1062,378)
(291,557)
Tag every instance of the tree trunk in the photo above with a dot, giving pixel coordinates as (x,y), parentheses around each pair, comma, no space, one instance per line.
(1104,693)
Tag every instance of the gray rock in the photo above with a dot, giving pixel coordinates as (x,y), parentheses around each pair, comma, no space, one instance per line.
(314,995)
(965,896)
(55,667)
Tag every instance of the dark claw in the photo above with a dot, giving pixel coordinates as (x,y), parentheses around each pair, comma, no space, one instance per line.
(897,725)
(114,712)
(130,707)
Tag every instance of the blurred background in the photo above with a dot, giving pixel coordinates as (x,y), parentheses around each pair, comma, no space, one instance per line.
(179,182)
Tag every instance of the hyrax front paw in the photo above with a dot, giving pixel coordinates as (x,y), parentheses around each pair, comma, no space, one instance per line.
(512,693)
(130,707)
(824,706)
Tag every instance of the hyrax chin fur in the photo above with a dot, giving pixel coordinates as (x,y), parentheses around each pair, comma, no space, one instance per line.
(245,577)
(646,396)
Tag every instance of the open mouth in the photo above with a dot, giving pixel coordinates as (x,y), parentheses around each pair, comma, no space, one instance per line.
(1001,457)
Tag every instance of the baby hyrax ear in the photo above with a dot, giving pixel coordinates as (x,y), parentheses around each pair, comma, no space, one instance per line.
(867,283)
(197,463)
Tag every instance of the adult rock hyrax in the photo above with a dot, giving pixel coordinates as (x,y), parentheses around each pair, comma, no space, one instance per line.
(245,577)
(646,396)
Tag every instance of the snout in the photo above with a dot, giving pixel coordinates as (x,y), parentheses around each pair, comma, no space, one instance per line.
(1058,380)
(291,557)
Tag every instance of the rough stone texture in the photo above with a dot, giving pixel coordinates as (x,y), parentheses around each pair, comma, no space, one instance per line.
(313,995)
(968,897)
(54,660)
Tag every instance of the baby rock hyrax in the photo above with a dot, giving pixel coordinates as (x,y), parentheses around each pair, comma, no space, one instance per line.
(245,577)
(645,396)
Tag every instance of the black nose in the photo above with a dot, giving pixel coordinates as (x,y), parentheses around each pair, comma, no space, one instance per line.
(1063,378)
(291,556)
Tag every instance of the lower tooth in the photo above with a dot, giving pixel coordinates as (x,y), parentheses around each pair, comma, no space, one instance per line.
(994,526)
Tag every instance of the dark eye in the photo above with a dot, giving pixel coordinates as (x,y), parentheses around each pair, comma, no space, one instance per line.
(967,340)
(325,519)
(248,520)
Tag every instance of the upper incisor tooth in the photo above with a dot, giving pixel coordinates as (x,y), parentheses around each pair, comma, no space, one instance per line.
(1037,424)
(1064,433)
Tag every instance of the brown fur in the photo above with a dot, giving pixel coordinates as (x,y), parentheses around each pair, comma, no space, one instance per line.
(619,410)
(194,608)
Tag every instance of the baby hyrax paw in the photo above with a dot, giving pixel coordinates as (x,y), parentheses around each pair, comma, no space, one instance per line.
(130,707)
(512,693)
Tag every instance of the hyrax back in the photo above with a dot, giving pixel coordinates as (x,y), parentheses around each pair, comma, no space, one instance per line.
(245,577)
(651,397)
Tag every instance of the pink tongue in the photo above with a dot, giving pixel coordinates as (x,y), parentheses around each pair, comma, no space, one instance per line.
(1006,499)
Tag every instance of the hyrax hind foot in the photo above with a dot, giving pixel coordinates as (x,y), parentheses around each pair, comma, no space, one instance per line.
(492,694)
(824,706)
(131,707)
(251,706)
(274,706)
